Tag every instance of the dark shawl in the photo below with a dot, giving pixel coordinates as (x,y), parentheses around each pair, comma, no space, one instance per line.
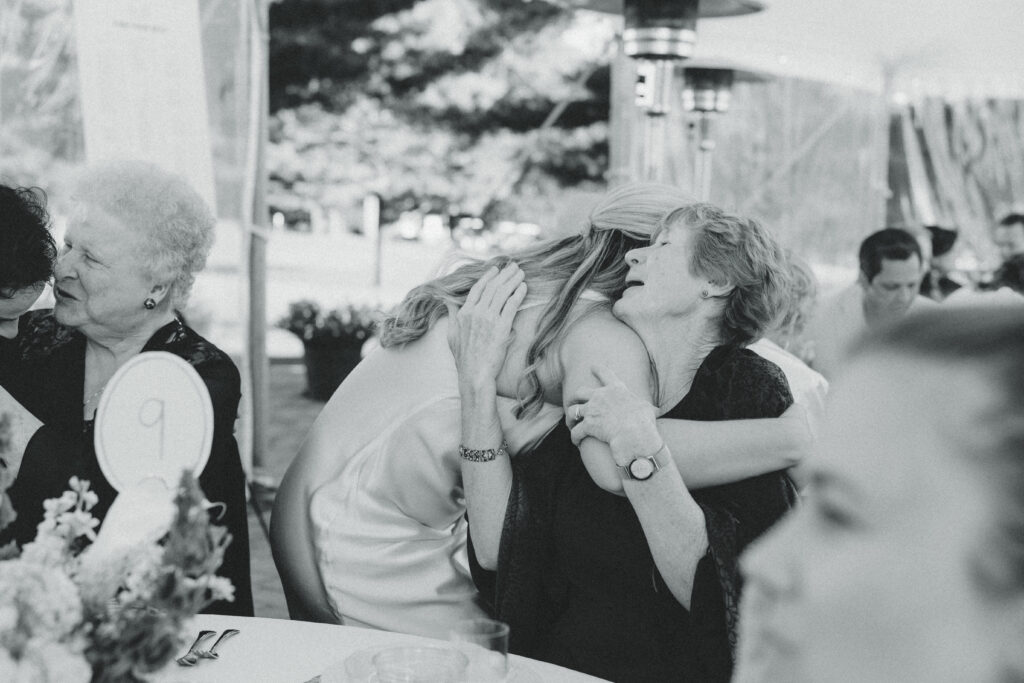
(47,375)
(731,384)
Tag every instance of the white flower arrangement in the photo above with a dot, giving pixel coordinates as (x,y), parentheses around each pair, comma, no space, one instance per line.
(77,606)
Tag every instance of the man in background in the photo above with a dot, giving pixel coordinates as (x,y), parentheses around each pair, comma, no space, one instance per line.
(886,289)
(1008,236)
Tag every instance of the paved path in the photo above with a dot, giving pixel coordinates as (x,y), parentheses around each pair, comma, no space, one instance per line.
(291,415)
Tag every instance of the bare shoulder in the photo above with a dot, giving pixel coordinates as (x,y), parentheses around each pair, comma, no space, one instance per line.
(598,333)
(600,339)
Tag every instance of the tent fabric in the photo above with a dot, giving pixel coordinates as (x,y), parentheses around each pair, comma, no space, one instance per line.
(957,164)
(953,48)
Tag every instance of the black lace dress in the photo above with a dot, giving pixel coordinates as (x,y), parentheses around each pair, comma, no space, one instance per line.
(46,376)
(576,580)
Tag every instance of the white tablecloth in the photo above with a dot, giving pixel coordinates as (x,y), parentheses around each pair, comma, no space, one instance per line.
(283,651)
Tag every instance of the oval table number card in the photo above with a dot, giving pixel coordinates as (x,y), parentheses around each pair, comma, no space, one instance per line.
(155,419)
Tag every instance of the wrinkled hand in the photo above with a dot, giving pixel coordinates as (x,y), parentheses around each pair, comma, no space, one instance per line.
(614,414)
(480,331)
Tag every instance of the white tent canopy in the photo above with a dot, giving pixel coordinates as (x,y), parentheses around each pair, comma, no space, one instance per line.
(953,48)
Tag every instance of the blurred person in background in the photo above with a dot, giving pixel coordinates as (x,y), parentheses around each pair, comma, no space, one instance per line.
(27,254)
(1008,236)
(887,286)
(784,345)
(640,586)
(906,562)
(136,237)
(942,279)
(369,523)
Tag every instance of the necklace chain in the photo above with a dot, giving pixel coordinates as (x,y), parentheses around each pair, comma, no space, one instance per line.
(94,394)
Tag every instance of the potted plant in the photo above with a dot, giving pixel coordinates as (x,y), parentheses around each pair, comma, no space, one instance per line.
(333,342)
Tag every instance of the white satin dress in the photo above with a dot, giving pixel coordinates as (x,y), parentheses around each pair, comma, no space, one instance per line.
(390,531)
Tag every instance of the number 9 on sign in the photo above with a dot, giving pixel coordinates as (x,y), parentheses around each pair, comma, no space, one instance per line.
(155,419)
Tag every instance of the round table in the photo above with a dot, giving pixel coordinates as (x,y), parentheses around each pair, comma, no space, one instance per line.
(283,651)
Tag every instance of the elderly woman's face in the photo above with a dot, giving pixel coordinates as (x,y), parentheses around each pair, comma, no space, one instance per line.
(100,282)
(872,578)
(660,282)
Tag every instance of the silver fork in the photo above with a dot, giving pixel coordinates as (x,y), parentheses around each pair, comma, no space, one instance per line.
(212,652)
(190,657)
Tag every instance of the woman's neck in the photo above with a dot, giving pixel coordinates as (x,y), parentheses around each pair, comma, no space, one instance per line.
(677,347)
(113,351)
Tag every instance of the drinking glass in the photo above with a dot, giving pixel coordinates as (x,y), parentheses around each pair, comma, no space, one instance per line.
(485,644)
(420,665)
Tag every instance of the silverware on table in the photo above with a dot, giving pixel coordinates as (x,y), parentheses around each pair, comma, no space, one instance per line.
(212,652)
(190,657)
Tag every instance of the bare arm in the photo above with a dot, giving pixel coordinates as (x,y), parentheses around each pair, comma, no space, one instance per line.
(712,453)
(320,459)
(478,335)
(600,339)
(673,523)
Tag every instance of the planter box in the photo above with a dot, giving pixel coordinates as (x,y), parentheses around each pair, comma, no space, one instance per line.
(328,362)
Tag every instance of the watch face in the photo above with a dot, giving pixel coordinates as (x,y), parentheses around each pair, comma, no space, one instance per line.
(641,468)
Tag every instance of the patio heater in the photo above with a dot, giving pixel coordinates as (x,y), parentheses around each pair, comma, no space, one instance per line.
(707,91)
(657,34)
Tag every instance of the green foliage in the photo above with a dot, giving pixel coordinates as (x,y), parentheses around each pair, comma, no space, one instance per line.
(435,102)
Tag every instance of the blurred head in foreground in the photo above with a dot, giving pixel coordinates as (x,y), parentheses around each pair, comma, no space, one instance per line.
(907,561)
(27,253)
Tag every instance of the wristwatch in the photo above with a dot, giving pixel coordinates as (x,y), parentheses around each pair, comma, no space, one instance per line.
(641,468)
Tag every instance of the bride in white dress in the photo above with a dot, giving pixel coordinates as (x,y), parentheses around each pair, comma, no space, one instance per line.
(369,523)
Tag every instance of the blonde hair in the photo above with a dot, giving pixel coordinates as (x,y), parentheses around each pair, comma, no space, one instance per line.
(622,220)
(739,252)
(179,226)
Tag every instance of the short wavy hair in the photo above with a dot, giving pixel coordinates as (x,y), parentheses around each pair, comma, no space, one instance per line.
(739,252)
(801,294)
(27,248)
(179,226)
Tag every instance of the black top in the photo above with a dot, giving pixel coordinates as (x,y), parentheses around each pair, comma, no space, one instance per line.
(938,286)
(576,580)
(46,376)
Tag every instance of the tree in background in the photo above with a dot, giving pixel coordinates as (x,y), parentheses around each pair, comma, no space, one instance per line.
(443,105)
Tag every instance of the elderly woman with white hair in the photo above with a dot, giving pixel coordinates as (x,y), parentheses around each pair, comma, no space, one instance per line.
(135,239)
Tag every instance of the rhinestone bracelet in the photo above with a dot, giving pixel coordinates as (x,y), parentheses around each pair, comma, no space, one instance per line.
(484,455)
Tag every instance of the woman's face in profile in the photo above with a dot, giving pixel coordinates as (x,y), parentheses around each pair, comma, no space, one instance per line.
(660,282)
(872,578)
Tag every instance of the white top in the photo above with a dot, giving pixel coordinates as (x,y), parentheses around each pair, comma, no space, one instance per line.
(282,650)
(809,387)
(389,531)
(837,321)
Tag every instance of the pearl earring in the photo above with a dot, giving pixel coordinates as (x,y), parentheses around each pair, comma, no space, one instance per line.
(149,303)
(704,294)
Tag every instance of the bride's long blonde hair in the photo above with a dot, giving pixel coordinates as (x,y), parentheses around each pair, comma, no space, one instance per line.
(624,219)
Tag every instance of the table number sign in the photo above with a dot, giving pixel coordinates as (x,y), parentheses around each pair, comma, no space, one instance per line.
(155,420)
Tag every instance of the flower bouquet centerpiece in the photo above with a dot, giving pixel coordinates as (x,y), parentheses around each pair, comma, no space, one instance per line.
(82,603)
(333,341)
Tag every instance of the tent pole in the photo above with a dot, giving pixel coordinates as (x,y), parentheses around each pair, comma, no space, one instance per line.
(257,291)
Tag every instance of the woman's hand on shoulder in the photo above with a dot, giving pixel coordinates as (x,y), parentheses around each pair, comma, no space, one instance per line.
(601,340)
(480,331)
(615,414)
